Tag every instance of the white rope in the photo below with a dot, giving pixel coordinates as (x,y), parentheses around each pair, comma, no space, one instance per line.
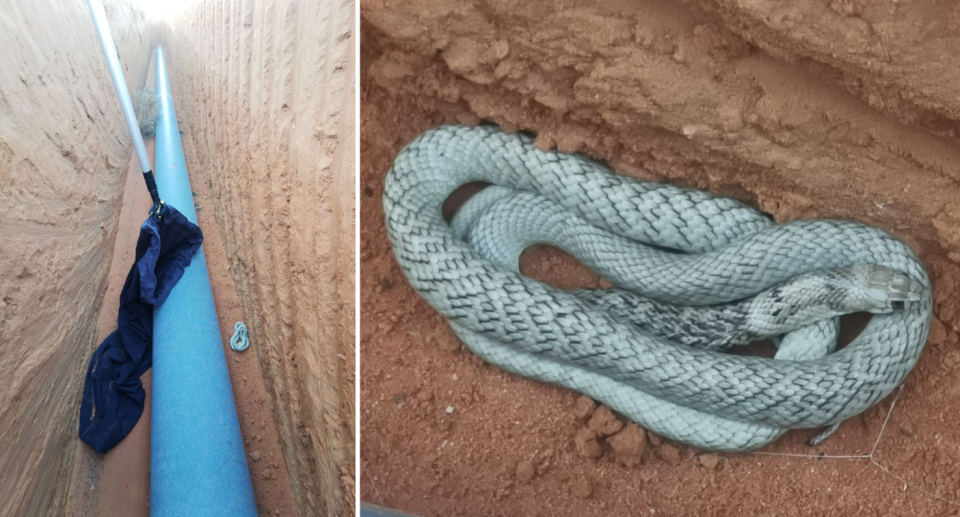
(239,341)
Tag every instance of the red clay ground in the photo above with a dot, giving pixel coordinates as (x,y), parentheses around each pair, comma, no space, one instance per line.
(515,447)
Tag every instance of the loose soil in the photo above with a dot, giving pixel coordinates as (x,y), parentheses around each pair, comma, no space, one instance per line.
(444,434)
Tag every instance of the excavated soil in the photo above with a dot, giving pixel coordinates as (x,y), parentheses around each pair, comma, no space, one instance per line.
(811,110)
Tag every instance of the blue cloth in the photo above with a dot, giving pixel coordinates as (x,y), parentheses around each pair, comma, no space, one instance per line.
(113,395)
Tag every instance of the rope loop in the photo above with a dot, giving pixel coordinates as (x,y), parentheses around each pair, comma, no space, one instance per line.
(239,341)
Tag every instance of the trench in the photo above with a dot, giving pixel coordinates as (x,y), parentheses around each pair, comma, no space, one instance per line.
(118,482)
(264,95)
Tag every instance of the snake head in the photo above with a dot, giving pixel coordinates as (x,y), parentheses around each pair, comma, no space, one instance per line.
(883,290)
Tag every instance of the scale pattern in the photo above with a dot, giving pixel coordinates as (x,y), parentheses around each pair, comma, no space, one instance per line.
(720,251)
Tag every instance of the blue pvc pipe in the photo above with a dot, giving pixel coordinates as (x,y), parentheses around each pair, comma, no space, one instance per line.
(197,460)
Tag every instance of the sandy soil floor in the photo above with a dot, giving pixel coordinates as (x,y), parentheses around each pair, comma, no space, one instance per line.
(118,483)
(515,447)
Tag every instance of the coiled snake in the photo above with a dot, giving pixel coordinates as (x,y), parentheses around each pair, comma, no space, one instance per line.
(694,275)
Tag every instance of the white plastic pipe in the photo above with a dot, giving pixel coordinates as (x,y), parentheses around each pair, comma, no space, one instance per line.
(116,73)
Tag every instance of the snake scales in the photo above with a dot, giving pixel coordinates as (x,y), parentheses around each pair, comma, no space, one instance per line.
(694,275)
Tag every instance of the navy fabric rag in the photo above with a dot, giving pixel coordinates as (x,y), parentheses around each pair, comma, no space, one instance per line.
(113,395)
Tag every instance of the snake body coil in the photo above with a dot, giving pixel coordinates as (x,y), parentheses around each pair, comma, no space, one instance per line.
(694,274)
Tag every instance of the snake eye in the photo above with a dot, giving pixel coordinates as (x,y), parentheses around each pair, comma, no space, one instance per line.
(898,304)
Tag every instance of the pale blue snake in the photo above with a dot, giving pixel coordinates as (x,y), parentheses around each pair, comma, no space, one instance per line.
(652,349)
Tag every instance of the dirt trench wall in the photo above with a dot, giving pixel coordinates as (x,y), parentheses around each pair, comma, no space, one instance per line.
(63,149)
(811,109)
(266,91)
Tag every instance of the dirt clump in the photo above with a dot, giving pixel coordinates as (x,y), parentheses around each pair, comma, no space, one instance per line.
(525,471)
(669,453)
(587,444)
(709,461)
(604,422)
(628,446)
(585,406)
